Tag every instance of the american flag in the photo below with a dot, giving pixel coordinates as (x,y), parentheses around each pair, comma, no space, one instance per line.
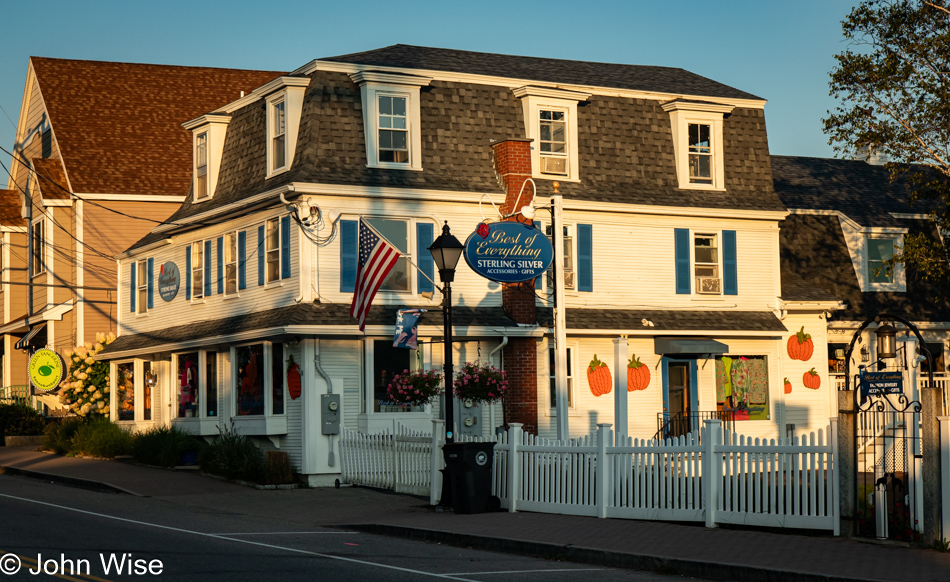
(377,259)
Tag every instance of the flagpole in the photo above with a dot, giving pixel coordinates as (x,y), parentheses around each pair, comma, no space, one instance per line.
(401,254)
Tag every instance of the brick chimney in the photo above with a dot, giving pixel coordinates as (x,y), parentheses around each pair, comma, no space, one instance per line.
(513,166)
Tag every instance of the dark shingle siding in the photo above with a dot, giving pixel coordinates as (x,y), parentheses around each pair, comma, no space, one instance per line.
(633,77)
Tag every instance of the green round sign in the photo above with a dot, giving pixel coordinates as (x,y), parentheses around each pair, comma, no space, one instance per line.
(47,369)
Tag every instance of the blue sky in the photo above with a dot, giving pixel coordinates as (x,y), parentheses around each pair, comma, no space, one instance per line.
(781,51)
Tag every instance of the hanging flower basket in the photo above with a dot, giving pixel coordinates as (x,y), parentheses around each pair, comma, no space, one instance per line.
(480,383)
(414,388)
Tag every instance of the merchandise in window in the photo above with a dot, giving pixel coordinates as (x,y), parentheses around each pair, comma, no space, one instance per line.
(250,380)
(397,233)
(230,263)
(272,239)
(393,130)
(278,139)
(552,130)
(201,165)
(700,154)
(879,251)
(142,283)
(197,270)
(277,378)
(150,378)
(125,390)
(211,380)
(570,377)
(742,386)
(187,380)
(388,362)
(836,356)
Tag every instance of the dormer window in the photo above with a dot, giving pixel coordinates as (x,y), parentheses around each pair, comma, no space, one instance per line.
(391,119)
(201,165)
(697,143)
(880,250)
(551,122)
(278,138)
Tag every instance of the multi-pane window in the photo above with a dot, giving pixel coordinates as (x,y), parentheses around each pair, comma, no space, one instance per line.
(197,270)
(141,300)
(38,260)
(552,131)
(278,135)
(393,130)
(879,251)
(397,233)
(125,390)
(700,154)
(249,381)
(706,263)
(230,263)
(272,249)
(569,266)
(201,165)
(570,377)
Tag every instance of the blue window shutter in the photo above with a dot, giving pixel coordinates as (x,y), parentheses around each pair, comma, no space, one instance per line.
(585,257)
(151,287)
(207,260)
(261,258)
(730,274)
(682,261)
(348,254)
(242,260)
(132,288)
(220,265)
(539,282)
(187,273)
(285,247)
(424,238)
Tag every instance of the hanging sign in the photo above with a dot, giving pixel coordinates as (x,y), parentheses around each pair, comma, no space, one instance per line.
(47,369)
(882,383)
(169,280)
(407,331)
(508,252)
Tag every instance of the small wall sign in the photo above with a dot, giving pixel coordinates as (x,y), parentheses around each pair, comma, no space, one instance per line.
(508,252)
(882,383)
(169,280)
(47,369)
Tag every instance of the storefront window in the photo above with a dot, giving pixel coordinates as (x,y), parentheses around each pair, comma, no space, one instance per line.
(742,386)
(187,381)
(387,362)
(836,353)
(150,379)
(211,377)
(277,377)
(125,390)
(250,380)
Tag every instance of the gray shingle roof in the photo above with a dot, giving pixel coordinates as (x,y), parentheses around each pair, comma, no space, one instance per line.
(635,77)
(303,314)
(663,320)
(794,288)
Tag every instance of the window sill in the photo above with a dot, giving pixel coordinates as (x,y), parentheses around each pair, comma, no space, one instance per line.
(232,296)
(198,301)
(554,178)
(274,284)
(197,426)
(259,425)
(277,172)
(205,199)
(707,187)
(393,166)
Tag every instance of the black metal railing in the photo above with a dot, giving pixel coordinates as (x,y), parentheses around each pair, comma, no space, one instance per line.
(681,423)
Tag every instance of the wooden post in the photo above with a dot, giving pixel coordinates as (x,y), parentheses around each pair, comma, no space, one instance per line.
(514,466)
(845,462)
(932,405)
(436,462)
(712,470)
(944,476)
(603,473)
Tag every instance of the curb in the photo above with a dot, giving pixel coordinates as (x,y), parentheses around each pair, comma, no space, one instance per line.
(100,486)
(657,564)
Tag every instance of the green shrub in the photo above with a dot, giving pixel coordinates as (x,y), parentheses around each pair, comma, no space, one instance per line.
(20,420)
(59,434)
(233,456)
(164,446)
(100,437)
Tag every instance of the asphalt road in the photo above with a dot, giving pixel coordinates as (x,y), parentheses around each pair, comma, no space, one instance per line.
(51,531)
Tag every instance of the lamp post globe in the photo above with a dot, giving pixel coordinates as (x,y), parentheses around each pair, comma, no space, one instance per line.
(446,252)
(886,341)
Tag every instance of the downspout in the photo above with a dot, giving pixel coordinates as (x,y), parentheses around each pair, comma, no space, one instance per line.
(331,460)
(491,409)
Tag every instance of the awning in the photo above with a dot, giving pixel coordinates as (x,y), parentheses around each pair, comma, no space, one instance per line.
(25,340)
(688,347)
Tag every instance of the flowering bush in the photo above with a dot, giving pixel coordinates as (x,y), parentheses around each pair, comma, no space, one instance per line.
(85,390)
(415,388)
(480,383)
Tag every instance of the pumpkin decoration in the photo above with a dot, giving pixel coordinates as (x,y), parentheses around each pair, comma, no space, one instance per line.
(638,375)
(788,386)
(598,377)
(800,346)
(811,379)
(293,379)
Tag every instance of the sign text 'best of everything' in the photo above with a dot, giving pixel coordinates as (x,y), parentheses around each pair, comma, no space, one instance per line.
(508,252)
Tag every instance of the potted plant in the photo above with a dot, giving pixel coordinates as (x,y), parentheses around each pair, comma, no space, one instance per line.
(414,388)
(480,383)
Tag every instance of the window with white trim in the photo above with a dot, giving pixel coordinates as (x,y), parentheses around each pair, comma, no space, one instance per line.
(393,129)
(38,260)
(570,264)
(197,269)
(272,249)
(278,135)
(141,282)
(396,231)
(706,264)
(552,141)
(697,129)
(700,154)
(550,118)
(391,119)
(553,381)
(880,250)
(201,165)
(230,263)
(259,369)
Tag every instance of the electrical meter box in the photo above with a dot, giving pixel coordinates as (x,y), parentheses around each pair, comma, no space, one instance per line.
(330,410)
(468,418)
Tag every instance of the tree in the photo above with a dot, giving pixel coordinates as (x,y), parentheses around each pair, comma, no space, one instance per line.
(893,85)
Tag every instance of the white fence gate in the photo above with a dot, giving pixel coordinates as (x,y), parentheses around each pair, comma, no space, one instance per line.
(400,461)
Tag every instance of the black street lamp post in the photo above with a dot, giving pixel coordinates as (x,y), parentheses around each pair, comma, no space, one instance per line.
(446,252)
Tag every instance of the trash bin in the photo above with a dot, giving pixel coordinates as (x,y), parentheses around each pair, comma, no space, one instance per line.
(468,468)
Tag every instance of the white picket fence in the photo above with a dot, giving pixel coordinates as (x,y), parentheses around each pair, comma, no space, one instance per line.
(711,475)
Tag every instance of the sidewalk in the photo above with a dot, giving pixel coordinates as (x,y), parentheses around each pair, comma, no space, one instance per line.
(691,550)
